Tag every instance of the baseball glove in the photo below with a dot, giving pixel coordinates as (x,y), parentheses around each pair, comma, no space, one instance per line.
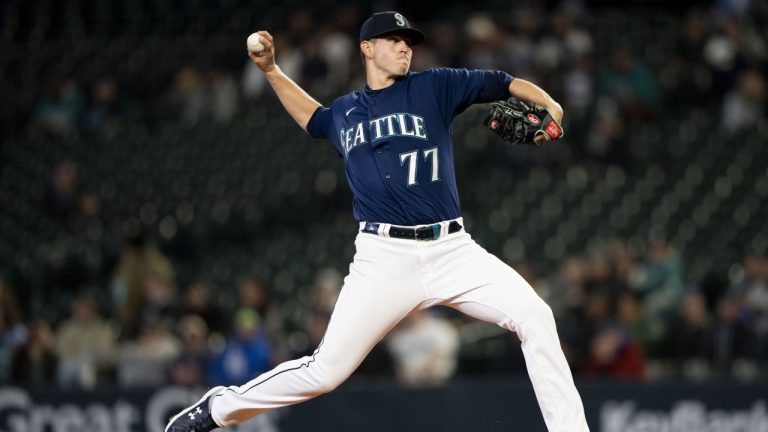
(514,121)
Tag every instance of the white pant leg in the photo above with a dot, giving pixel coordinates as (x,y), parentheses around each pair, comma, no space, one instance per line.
(383,286)
(477,283)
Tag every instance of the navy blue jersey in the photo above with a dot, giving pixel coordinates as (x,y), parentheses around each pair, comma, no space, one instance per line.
(397,142)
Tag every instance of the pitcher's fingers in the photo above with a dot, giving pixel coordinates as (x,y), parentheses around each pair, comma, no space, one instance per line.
(265,34)
(266,39)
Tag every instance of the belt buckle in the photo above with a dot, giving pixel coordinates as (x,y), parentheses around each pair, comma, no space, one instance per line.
(431,232)
(371,228)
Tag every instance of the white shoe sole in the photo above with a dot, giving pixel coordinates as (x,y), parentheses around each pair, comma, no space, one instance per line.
(205,396)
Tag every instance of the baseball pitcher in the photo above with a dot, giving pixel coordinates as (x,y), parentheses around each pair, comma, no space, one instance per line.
(412,251)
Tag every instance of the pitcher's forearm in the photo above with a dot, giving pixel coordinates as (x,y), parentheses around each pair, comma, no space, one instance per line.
(299,104)
(532,93)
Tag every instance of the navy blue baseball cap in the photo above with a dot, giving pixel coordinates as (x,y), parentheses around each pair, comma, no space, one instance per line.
(382,23)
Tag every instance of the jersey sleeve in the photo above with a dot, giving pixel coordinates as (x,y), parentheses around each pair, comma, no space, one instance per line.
(457,89)
(320,125)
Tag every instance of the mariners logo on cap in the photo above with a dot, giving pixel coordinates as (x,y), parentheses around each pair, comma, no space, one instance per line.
(399,20)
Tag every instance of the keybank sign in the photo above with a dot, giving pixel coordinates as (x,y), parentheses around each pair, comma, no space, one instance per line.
(684,416)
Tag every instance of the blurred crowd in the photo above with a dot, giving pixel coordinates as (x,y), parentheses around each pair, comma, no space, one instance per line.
(713,58)
(621,314)
(637,317)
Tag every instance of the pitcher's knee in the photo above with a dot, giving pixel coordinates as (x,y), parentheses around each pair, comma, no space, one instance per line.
(541,313)
(330,379)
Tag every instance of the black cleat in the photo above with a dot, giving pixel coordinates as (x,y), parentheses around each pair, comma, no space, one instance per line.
(196,418)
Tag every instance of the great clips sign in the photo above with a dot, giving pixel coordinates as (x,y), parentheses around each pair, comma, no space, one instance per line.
(101,411)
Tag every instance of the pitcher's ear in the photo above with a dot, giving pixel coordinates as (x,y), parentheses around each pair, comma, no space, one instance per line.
(366,47)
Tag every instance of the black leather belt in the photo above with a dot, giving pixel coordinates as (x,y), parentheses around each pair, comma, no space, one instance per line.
(429,232)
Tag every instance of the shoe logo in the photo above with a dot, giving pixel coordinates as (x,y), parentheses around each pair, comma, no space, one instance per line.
(192,413)
(349,111)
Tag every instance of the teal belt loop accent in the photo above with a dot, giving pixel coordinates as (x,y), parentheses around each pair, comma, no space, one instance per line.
(436,230)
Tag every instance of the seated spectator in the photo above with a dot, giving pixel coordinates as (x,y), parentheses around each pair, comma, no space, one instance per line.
(85,345)
(685,78)
(578,329)
(253,294)
(632,85)
(579,95)
(744,106)
(688,339)
(614,353)
(191,365)
(732,341)
(106,111)
(326,289)
(425,348)
(69,202)
(246,354)
(660,277)
(13,332)
(314,69)
(34,363)
(324,292)
(252,82)
(197,301)
(754,288)
(222,92)
(138,260)
(722,56)
(145,362)
(602,276)
(88,210)
(630,314)
(60,110)
(568,289)
(315,324)
(62,192)
(158,299)
(336,48)
(605,140)
(189,98)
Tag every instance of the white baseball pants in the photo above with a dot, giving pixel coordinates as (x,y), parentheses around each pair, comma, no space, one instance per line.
(390,278)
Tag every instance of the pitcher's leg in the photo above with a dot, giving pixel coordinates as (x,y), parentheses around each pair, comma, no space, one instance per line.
(486,288)
(374,299)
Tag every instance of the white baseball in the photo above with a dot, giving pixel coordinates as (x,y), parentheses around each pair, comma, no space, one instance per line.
(254,43)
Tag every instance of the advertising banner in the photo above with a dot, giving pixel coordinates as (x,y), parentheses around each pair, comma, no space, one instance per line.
(465,406)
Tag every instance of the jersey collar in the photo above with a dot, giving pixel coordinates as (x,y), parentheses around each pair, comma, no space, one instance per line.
(367,90)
